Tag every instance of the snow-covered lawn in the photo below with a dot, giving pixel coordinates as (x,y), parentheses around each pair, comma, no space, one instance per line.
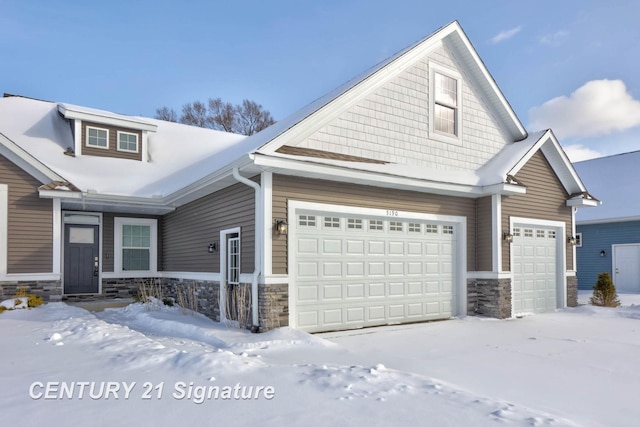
(64,366)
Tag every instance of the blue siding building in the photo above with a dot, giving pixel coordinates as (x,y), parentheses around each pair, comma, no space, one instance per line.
(610,234)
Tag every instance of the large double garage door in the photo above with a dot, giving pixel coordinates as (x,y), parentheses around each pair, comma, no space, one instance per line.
(353,270)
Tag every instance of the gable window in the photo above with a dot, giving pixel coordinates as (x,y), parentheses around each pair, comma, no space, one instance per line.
(97,137)
(127,142)
(445,87)
(135,244)
(446,104)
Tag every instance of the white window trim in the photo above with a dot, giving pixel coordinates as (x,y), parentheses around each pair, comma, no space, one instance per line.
(137,150)
(578,240)
(118,222)
(223,267)
(86,141)
(4,205)
(433,133)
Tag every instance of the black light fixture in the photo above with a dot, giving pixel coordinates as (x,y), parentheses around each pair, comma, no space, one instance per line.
(507,237)
(602,253)
(281,226)
(212,247)
(571,240)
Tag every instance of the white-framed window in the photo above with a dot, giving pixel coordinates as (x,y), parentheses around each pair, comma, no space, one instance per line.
(128,142)
(376,225)
(233,259)
(551,234)
(445,88)
(4,204)
(354,224)
(540,234)
(331,222)
(306,220)
(447,229)
(431,229)
(396,226)
(135,244)
(97,137)
(415,227)
(528,232)
(578,240)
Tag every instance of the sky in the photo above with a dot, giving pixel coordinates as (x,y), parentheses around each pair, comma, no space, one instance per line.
(569,65)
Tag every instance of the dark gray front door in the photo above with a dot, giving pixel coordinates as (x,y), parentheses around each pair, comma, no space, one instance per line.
(81,259)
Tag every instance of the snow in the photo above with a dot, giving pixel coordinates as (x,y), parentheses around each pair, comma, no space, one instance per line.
(64,365)
(613,180)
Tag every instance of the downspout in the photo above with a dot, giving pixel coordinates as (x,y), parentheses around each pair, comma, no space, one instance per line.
(258,247)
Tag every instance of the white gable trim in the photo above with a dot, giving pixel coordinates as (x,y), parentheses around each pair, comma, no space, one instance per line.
(350,95)
(27,162)
(74,113)
(558,160)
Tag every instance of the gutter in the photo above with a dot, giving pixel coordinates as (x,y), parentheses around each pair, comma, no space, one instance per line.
(258,247)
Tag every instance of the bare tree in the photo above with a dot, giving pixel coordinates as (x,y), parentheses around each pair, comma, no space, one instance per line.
(167,114)
(223,115)
(196,114)
(252,118)
(247,118)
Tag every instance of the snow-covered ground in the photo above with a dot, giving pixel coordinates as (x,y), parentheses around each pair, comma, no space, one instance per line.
(65,366)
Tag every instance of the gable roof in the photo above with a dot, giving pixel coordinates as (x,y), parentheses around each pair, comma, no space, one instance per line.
(322,110)
(615,179)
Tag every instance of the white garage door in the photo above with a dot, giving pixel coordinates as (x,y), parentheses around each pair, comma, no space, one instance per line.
(534,266)
(353,271)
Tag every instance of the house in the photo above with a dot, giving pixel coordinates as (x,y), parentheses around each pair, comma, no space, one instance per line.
(609,237)
(410,193)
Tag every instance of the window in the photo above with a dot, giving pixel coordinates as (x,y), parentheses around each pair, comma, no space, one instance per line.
(97,137)
(395,226)
(540,234)
(551,234)
(516,232)
(447,229)
(445,101)
(376,225)
(528,232)
(578,240)
(446,104)
(431,229)
(233,259)
(354,224)
(307,221)
(135,244)
(331,222)
(414,227)
(127,142)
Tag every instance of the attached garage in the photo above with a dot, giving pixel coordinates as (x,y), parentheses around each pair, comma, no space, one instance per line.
(538,284)
(354,267)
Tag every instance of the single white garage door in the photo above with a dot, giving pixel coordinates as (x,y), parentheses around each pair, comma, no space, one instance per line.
(353,271)
(534,266)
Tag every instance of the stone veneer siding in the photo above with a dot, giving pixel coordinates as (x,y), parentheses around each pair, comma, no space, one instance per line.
(489,297)
(49,290)
(273,306)
(572,291)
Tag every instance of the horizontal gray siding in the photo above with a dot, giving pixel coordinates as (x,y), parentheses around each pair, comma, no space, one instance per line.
(599,237)
(295,188)
(30,222)
(189,230)
(113,143)
(546,199)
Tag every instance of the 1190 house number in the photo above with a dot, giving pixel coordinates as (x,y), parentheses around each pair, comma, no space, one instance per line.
(392,212)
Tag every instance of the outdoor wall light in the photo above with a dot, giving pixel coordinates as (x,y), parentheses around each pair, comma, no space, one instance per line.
(507,237)
(212,247)
(571,240)
(281,226)
(602,253)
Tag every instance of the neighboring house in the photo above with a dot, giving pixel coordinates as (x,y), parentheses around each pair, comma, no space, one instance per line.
(609,237)
(411,193)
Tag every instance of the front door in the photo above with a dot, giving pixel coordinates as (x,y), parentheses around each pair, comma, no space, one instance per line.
(81,259)
(626,263)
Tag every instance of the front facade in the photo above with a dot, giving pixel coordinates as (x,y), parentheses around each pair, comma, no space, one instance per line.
(412,193)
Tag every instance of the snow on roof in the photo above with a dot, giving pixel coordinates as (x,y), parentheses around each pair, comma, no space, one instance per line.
(614,179)
(178,154)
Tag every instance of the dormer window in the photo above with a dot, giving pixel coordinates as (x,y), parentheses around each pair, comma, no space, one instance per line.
(127,142)
(97,137)
(445,104)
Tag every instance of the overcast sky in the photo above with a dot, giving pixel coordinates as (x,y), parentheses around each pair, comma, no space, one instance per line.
(572,65)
